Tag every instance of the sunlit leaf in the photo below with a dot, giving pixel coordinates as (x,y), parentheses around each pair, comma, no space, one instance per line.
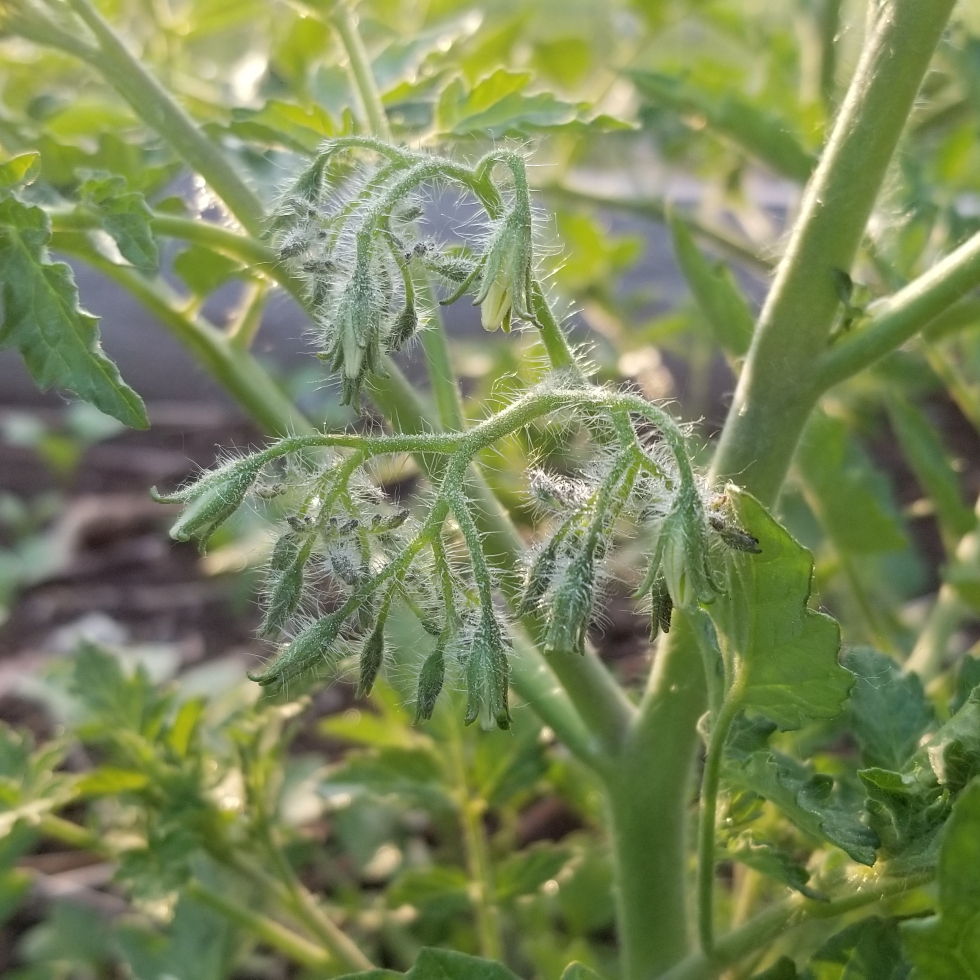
(786,653)
(42,319)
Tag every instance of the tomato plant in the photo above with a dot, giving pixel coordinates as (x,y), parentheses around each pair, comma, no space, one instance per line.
(788,793)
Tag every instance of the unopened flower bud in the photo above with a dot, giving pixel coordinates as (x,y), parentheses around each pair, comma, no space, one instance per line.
(284,600)
(431,679)
(506,275)
(487,675)
(372,657)
(571,606)
(539,576)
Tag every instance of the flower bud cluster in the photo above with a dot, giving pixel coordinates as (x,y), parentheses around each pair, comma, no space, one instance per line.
(352,240)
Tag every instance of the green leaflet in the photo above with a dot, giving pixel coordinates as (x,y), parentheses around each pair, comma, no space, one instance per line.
(947,946)
(125,216)
(756,131)
(21,169)
(204,270)
(716,291)
(280,123)
(923,449)
(770,860)
(58,340)
(814,802)
(498,106)
(888,710)
(870,949)
(783,655)
(908,808)
(442,964)
(852,499)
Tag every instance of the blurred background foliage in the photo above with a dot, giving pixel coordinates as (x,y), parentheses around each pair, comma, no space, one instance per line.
(172,819)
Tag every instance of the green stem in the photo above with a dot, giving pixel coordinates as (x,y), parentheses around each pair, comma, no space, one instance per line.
(343,20)
(901,316)
(778,919)
(471,809)
(236,370)
(267,930)
(708,818)
(649,791)
(159,110)
(776,390)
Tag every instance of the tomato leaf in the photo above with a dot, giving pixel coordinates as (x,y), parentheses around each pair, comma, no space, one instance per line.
(125,216)
(716,292)
(42,319)
(784,654)
(442,964)
(946,946)
(888,710)
(870,949)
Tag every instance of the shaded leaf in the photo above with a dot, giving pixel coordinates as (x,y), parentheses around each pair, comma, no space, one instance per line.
(852,499)
(867,950)
(716,292)
(946,946)
(887,710)
(203,270)
(815,802)
(770,860)
(443,964)
(58,340)
(923,449)
(758,132)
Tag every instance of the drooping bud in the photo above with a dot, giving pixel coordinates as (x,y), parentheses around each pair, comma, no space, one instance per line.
(372,657)
(354,335)
(539,575)
(505,289)
(211,501)
(285,599)
(404,328)
(487,675)
(431,679)
(285,550)
(571,606)
(308,651)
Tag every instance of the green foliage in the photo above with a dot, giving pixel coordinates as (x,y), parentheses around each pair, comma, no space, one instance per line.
(42,318)
(332,147)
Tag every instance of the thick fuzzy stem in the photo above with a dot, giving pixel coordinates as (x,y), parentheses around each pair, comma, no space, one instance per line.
(775,391)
